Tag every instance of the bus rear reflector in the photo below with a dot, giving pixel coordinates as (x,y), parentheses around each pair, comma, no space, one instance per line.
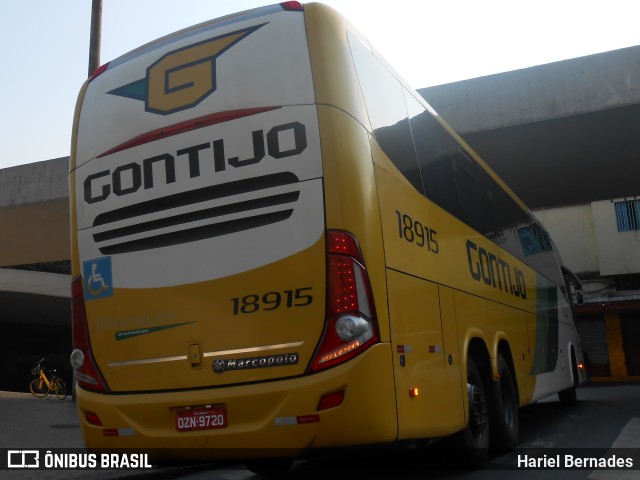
(331,400)
(297,6)
(93,418)
(86,370)
(99,71)
(351,325)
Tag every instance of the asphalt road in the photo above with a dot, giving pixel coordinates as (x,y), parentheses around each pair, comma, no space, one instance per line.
(606,417)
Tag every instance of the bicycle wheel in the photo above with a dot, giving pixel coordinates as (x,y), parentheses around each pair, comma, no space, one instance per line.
(38,388)
(60,388)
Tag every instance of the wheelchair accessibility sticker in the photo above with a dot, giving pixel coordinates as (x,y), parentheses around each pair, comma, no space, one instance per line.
(98,279)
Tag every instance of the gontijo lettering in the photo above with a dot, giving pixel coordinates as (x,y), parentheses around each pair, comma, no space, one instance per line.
(494,271)
(129,178)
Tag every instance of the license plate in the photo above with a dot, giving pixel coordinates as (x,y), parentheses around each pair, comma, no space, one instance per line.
(201,418)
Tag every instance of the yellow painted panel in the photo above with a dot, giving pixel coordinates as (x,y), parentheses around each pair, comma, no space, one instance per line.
(262,416)
(510,325)
(334,77)
(426,241)
(419,361)
(142,337)
(456,376)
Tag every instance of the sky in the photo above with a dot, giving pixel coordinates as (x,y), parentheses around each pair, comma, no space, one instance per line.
(44,47)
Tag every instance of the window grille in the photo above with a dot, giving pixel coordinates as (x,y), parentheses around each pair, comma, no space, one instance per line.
(628,215)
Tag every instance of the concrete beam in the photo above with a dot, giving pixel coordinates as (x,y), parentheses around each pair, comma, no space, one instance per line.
(577,86)
(35,233)
(34,213)
(34,182)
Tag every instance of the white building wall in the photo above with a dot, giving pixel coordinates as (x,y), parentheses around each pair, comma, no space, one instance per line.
(588,239)
(572,230)
(618,252)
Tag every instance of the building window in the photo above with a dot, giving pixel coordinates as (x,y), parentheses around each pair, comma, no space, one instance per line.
(628,215)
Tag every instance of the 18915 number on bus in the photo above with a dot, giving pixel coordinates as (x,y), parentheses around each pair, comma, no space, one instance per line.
(414,231)
(300,297)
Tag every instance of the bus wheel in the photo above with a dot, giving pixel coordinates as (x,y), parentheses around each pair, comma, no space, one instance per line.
(505,422)
(475,436)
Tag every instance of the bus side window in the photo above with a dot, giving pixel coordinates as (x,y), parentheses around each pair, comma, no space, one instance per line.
(475,196)
(434,150)
(384,101)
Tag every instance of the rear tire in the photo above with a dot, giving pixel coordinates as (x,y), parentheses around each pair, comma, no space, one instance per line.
(505,421)
(474,439)
(60,388)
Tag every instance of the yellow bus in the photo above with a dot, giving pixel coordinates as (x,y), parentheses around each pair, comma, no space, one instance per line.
(279,246)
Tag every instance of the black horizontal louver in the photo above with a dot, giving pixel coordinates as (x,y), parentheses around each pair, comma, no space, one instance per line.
(197,215)
(195,197)
(198,233)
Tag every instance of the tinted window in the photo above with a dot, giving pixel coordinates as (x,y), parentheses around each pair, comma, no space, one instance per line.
(475,193)
(440,168)
(435,148)
(387,113)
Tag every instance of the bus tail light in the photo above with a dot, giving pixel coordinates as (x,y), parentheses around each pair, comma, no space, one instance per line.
(87,372)
(351,325)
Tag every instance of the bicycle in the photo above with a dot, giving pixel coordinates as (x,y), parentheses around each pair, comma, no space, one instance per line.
(41,387)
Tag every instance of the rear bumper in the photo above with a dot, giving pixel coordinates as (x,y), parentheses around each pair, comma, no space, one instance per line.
(277,418)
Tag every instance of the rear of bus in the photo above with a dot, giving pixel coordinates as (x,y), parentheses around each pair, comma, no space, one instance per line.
(228,289)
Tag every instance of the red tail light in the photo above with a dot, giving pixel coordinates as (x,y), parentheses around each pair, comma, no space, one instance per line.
(351,326)
(292,6)
(87,372)
(99,71)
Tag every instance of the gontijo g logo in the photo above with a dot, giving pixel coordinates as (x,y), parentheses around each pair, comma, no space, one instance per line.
(182,78)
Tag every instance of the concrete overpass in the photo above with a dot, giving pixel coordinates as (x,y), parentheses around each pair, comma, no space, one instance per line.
(559,134)
(34,202)
(34,273)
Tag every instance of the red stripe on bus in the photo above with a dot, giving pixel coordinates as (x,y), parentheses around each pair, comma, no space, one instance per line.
(182,127)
